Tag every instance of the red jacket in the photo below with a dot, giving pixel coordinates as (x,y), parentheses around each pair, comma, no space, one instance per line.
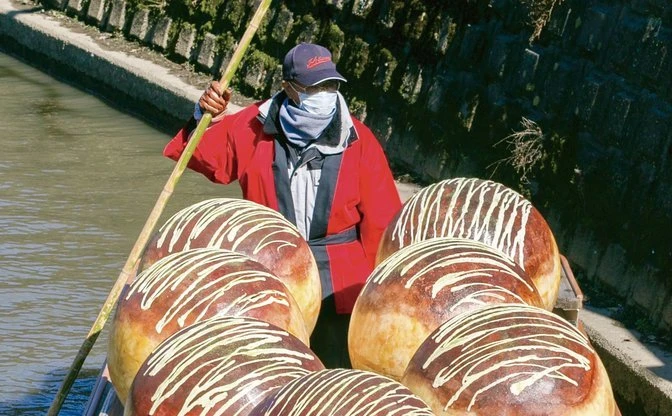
(358,201)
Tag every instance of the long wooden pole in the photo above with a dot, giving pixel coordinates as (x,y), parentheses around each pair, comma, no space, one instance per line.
(154,216)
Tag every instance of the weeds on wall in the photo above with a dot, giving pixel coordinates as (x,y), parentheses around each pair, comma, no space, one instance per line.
(529,157)
(539,14)
(525,149)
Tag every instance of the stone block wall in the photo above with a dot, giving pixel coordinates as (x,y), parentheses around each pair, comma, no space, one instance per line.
(616,104)
(443,83)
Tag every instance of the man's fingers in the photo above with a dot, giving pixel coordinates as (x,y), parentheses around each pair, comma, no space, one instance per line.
(212,107)
(211,94)
(213,101)
(219,105)
(216,87)
(214,96)
(211,110)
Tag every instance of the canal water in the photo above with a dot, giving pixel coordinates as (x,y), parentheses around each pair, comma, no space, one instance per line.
(78,179)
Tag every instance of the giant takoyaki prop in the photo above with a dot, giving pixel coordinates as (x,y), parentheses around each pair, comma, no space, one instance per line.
(220,366)
(484,211)
(187,287)
(342,392)
(421,286)
(249,228)
(510,360)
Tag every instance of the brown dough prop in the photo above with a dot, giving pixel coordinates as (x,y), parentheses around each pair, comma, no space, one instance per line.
(510,360)
(249,228)
(484,211)
(187,287)
(421,286)
(220,366)
(342,392)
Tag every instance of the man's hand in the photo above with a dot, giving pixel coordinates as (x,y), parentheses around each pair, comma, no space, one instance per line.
(214,100)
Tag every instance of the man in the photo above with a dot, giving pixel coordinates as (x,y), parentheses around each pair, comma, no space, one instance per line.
(303,154)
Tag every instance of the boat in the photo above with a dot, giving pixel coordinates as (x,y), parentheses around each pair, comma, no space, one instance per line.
(103,400)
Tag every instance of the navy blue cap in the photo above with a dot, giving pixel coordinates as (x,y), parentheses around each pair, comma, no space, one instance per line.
(309,64)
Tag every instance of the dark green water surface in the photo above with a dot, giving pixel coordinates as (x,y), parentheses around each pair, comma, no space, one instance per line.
(77,182)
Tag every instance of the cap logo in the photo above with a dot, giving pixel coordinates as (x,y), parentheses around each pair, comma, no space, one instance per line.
(317,60)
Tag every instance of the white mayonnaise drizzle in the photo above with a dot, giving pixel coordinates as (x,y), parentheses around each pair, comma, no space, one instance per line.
(347,393)
(243,220)
(444,253)
(226,347)
(491,213)
(171,271)
(478,359)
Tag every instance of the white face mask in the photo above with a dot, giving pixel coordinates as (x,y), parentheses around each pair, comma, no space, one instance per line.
(322,103)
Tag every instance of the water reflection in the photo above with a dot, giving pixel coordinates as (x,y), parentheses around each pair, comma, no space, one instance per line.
(77,182)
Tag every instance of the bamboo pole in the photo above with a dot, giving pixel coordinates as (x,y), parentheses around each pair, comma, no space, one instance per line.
(154,216)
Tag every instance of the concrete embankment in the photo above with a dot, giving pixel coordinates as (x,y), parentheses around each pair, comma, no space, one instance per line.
(137,80)
(144,83)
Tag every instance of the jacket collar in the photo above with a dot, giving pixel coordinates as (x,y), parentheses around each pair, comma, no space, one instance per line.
(337,136)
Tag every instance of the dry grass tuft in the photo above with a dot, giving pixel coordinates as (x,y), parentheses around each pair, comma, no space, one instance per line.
(540,14)
(525,147)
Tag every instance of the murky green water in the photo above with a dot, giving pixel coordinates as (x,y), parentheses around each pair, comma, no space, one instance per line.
(77,182)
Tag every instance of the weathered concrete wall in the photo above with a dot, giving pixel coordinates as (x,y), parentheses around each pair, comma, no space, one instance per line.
(442,83)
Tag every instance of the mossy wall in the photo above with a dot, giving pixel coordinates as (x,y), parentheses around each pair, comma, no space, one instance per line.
(444,83)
